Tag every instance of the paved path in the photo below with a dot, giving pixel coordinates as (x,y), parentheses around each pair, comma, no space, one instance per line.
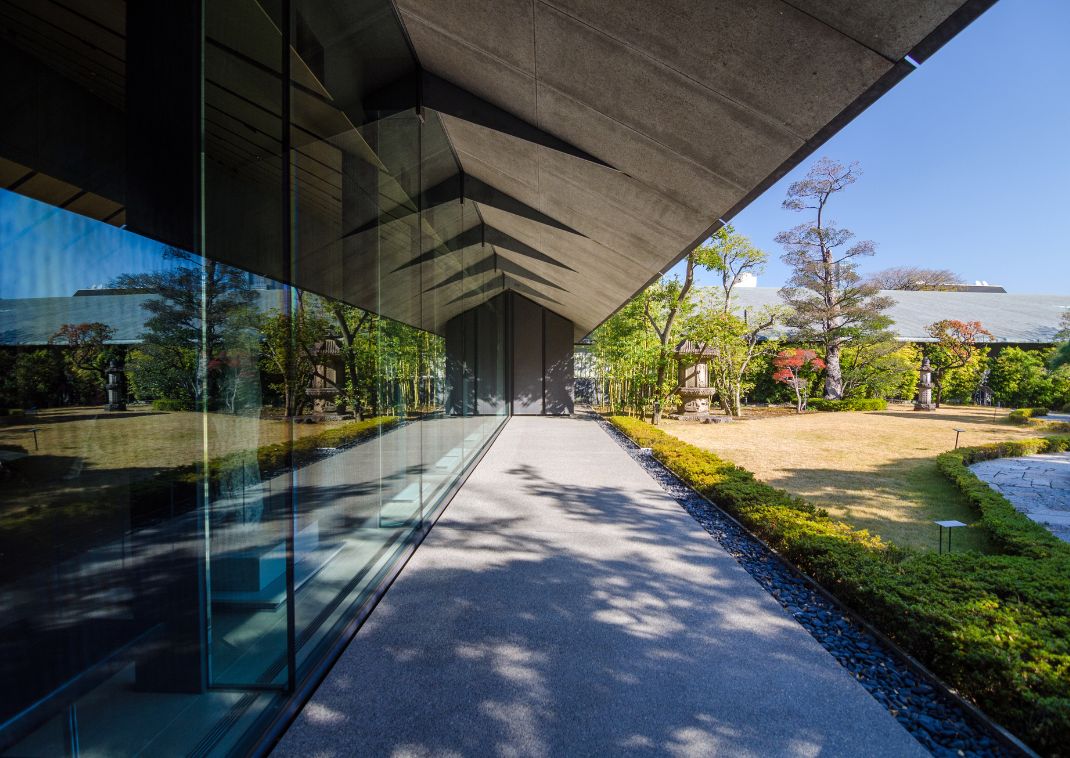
(1037,485)
(566,605)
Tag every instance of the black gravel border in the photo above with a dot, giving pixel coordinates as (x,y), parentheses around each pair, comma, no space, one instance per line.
(933,718)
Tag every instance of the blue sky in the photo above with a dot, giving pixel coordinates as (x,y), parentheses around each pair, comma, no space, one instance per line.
(966,163)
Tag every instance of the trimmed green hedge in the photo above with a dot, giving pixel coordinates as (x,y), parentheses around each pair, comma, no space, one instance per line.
(995,627)
(1012,531)
(166,404)
(853,404)
(1022,416)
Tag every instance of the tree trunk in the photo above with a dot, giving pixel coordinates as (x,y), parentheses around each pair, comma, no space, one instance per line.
(833,373)
(736,404)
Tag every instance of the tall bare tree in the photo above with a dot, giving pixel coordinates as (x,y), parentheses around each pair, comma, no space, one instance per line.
(832,306)
(913,278)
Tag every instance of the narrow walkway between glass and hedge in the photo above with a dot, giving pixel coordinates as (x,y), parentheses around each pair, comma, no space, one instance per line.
(565,604)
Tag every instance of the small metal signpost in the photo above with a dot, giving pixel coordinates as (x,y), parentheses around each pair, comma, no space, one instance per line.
(35,430)
(957,433)
(949,525)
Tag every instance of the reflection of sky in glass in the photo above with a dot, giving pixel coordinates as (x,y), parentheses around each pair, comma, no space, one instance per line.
(49,252)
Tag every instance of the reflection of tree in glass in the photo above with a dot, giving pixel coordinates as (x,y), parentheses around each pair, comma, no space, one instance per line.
(85,352)
(203,309)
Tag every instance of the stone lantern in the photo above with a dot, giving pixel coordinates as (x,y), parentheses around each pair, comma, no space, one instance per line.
(694,384)
(116,387)
(925,388)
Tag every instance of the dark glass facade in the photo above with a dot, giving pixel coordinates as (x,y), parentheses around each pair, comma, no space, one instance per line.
(243,361)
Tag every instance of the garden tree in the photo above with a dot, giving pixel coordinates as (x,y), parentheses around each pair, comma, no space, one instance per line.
(1021,378)
(735,344)
(879,369)
(735,341)
(832,306)
(288,351)
(85,350)
(624,353)
(913,278)
(731,255)
(1063,335)
(201,308)
(667,300)
(39,378)
(794,367)
(1061,356)
(956,344)
(356,335)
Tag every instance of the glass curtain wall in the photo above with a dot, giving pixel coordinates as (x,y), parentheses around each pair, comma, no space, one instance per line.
(225,397)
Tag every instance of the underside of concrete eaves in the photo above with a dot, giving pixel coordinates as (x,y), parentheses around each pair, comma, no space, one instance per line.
(630,130)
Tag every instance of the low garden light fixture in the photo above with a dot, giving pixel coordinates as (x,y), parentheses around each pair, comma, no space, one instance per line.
(949,525)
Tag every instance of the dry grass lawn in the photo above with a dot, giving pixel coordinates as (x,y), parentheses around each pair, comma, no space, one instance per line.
(875,470)
(82,448)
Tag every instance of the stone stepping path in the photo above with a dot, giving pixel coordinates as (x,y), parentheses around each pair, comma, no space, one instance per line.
(1036,485)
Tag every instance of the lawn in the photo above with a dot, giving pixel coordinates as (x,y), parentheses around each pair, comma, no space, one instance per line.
(875,470)
(82,449)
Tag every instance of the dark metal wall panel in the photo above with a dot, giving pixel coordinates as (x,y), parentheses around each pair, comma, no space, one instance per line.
(558,390)
(490,365)
(526,327)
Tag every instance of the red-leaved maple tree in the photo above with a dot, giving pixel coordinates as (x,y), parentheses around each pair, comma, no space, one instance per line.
(795,367)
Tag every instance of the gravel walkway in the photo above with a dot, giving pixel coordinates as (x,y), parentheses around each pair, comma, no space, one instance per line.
(566,605)
(1037,485)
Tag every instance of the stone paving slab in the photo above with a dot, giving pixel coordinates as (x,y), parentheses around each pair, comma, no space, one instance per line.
(1036,485)
(565,605)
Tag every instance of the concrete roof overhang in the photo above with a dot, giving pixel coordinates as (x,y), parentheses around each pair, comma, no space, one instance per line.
(601,141)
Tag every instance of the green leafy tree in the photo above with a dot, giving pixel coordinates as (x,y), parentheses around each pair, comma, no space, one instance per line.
(736,340)
(201,310)
(1021,378)
(39,378)
(832,306)
(289,344)
(664,303)
(879,369)
(624,355)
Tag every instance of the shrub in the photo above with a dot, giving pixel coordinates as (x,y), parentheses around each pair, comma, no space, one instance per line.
(1022,416)
(167,404)
(996,627)
(851,404)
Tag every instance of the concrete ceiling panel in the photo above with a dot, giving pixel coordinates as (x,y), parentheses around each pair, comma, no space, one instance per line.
(763,54)
(474,69)
(891,29)
(501,27)
(737,143)
(637,155)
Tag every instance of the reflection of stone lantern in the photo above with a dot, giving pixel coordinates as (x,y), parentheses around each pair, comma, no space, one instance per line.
(116,387)
(323,389)
(925,388)
(694,388)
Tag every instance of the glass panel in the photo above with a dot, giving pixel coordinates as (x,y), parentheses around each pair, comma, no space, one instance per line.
(228,402)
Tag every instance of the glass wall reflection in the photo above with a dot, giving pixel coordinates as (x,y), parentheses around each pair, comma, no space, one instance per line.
(226,404)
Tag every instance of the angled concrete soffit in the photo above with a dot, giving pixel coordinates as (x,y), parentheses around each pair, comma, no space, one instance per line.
(599,142)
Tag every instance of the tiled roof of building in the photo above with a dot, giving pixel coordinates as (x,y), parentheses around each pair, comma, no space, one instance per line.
(1013,318)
